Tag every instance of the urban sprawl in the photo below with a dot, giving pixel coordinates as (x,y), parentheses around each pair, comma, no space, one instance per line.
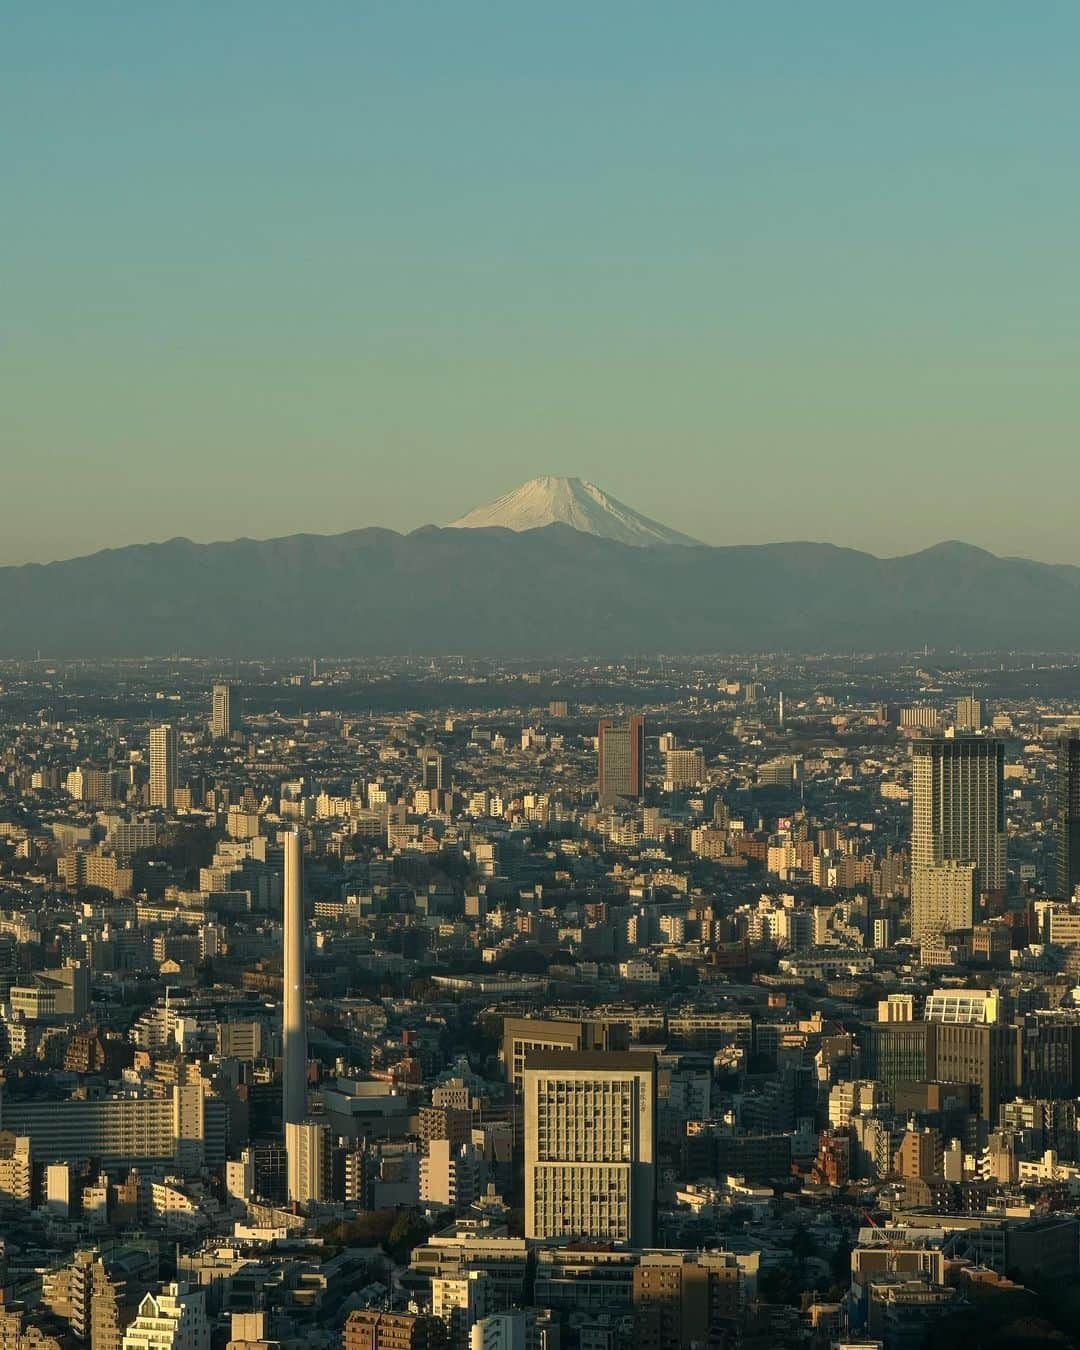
(728,1003)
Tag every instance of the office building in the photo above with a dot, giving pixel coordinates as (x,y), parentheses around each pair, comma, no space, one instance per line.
(986,1055)
(590,1146)
(432,768)
(944,898)
(684,768)
(163,766)
(294,1029)
(621,762)
(1067,816)
(175,1319)
(969,713)
(958,815)
(52,995)
(221,712)
(523,1035)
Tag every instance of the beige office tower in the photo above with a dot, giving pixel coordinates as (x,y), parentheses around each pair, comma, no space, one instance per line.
(958,814)
(293,1025)
(970,715)
(944,897)
(307,1147)
(221,712)
(590,1146)
(163,767)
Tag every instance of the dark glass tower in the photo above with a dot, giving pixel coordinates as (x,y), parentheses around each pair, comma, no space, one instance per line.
(1067,809)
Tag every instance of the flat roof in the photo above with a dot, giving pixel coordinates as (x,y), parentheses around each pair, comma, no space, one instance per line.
(574,1060)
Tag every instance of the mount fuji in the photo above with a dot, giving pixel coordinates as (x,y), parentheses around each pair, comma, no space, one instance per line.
(574,502)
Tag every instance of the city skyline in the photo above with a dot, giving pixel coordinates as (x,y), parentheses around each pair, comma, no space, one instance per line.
(371,270)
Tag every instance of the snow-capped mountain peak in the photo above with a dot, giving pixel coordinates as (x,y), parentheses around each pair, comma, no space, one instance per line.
(575,502)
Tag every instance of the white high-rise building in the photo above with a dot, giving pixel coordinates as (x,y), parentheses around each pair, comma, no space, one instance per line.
(221,713)
(590,1145)
(307,1147)
(175,1319)
(163,765)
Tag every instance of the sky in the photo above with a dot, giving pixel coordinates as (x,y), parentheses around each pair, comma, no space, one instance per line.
(762,271)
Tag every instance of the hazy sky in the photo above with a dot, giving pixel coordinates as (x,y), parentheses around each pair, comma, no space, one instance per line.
(763,271)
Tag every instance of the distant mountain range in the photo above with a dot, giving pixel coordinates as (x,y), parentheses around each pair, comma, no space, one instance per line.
(539,592)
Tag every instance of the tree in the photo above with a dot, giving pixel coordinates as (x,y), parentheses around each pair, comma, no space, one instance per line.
(409,1231)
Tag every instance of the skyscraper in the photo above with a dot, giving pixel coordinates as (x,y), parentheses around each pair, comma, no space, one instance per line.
(163,768)
(590,1145)
(1067,816)
(621,761)
(958,816)
(294,1030)
(221,714)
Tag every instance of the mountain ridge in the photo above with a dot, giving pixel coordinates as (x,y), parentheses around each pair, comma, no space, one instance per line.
(550,591)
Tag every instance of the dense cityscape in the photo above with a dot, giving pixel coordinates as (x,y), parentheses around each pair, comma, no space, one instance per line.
(670,1003)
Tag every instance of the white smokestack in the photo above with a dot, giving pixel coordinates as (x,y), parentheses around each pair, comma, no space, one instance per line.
(294,1030)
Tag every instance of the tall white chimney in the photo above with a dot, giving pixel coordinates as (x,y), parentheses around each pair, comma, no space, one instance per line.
(294,1029)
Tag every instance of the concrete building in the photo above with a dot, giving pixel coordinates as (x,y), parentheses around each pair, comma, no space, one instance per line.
(175,1319)
(590,1160)
(958,811)
(500,1331)
(186,1129)
(52,994)
(16,1171)
(451,1175)
(221,712)
(621,761)
(1067,816)
(944,898)
(684,768)
(307,1146)
(164,774)
(370,1329)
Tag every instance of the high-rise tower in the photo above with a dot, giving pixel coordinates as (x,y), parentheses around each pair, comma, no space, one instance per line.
(1067,816)
(621,761)
(221,713)
(294,1030)
(432,768)
(958,815)
(163,775)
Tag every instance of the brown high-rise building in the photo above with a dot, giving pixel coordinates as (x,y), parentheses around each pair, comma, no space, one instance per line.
(370,1329)
(621,761)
